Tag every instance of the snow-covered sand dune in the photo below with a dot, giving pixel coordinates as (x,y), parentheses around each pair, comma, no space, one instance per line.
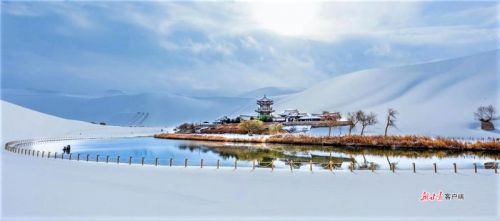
(22,123)
(163,109)
(436,98)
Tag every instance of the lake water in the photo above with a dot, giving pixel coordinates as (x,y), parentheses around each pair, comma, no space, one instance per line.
(179,150)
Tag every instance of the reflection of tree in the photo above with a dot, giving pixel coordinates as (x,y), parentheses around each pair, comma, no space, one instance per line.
(269,152)
(391,163)
(367,165)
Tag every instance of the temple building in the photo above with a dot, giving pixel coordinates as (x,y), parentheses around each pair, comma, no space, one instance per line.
(265,106)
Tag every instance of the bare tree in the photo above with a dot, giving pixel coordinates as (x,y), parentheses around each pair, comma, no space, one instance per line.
(391,119)
(486,114)
(331,119)
(353,118)
(367,120)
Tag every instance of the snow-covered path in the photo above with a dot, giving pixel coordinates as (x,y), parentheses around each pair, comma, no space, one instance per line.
(53,189)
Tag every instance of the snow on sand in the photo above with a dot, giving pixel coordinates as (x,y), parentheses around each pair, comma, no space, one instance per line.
(21,123)
(54,189)
(436,98)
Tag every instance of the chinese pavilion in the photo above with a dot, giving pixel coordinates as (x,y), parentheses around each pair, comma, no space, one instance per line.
(265,108)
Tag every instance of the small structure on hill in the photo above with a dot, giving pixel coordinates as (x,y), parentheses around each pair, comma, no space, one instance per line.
(265,107)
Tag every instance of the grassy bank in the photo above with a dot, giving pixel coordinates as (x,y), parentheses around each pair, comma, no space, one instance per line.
(406,142)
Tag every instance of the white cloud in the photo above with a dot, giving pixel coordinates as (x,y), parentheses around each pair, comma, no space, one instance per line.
(253,43)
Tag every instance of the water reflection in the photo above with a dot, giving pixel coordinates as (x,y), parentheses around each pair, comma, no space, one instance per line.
(324,157)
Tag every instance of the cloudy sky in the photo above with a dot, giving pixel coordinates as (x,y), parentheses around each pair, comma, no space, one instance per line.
(207,48)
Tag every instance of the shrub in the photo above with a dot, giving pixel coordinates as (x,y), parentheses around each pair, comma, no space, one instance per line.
(275,128)
(185,128)
(251,126)
(265,118)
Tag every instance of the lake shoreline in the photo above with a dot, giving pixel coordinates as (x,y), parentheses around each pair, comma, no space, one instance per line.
(378,142)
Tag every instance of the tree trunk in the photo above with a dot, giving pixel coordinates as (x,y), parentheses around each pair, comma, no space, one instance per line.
(386,127)
(362,130)
(350,129)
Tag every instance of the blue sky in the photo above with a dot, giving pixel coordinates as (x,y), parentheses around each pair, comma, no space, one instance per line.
(207,48)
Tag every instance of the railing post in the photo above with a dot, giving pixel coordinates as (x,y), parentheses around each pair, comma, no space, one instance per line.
(170,162)
(496,167)
(97,158)
(130,160)
(455,167)
(78,157)
(414,168)
(351,166)
(142,161)
(87,158)
(37,153)
(475,168)
(290,162)
(107,158)
(185,162)
(55,155)
(118,159)
(156,161)
(218,163)
(48,154)
(43,153)
(372,165)
(253,164)
(311,165)
(272,165)
(201,163)
(235,164)
(435,168)
(69,157)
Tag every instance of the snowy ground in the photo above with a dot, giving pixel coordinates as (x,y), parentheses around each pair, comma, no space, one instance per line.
(53,189)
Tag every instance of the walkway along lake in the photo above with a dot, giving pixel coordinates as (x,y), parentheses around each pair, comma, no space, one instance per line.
(245,154)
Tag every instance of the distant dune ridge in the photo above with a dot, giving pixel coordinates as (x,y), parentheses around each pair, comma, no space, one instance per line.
(436,98)
(163,109)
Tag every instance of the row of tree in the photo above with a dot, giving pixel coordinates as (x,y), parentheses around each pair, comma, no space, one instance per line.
(361,118)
